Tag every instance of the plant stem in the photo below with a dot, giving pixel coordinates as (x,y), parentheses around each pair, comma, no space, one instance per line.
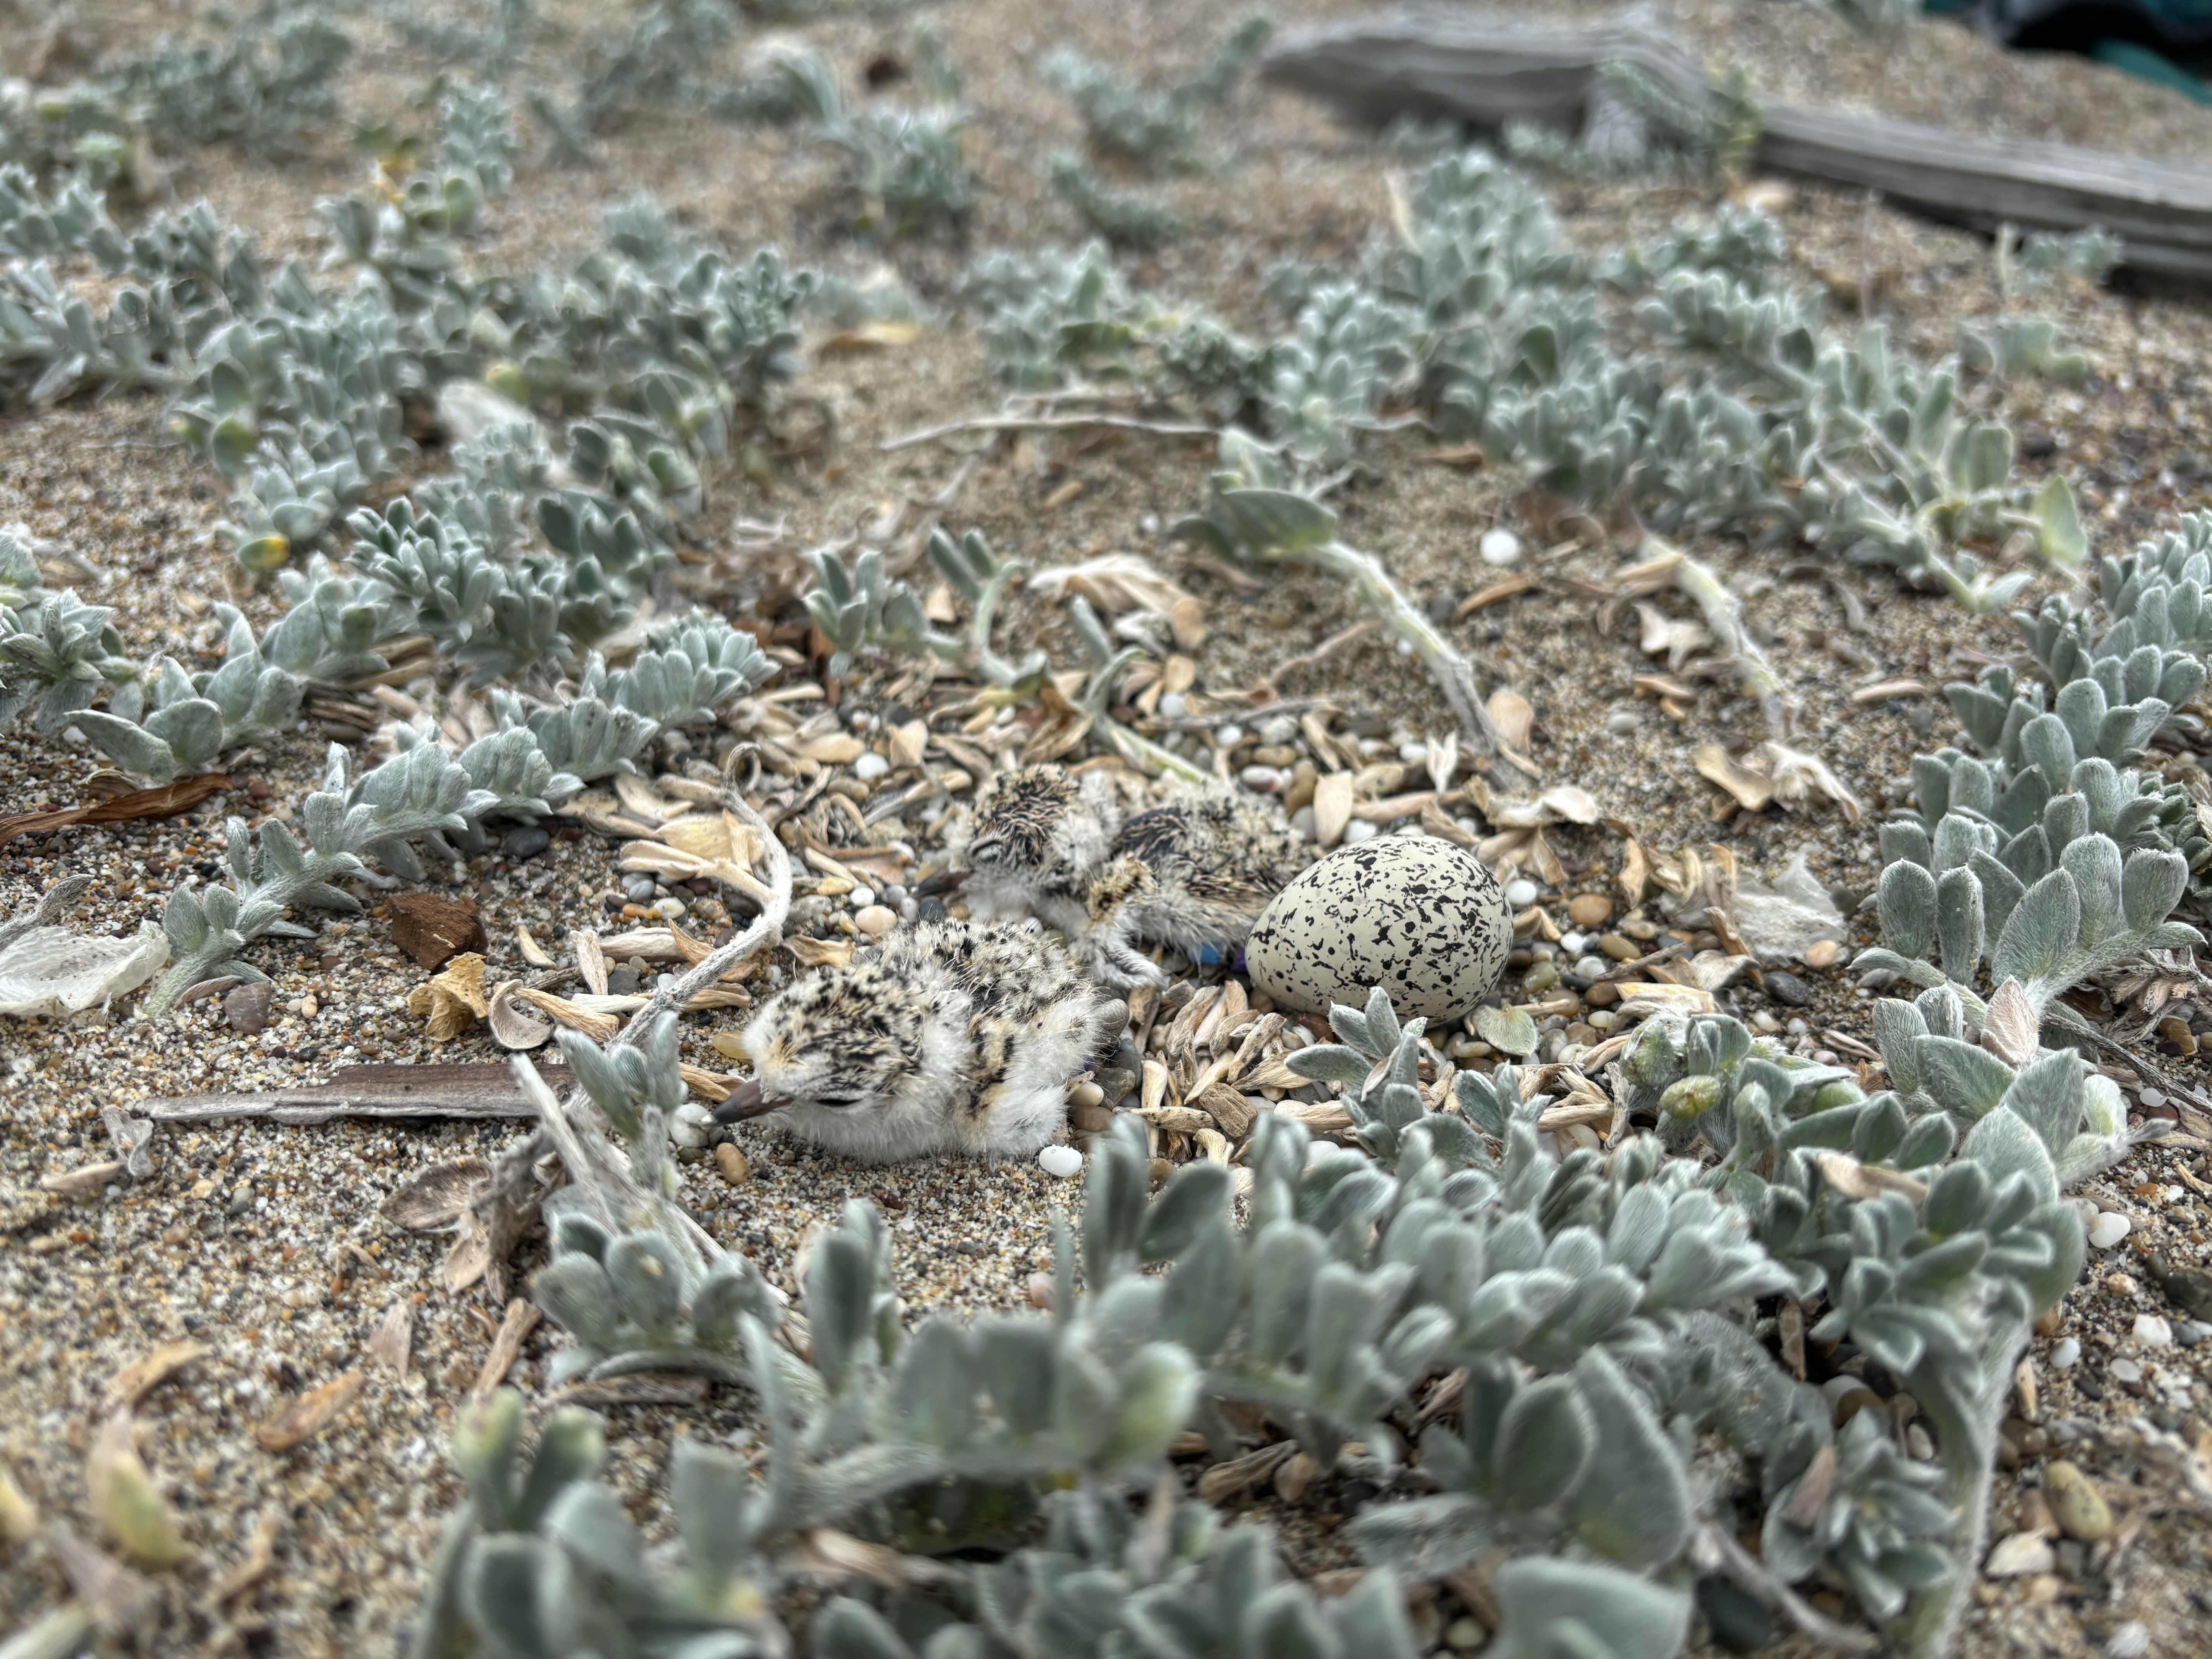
(1967,1429)
(1372,587)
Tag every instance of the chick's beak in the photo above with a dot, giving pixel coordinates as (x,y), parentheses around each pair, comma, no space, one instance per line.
(747,1101)
(944,881)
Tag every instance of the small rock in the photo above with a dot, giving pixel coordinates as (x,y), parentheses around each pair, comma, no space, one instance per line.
(930,909)
(1520,892)
(1040,1289)
(1917,1445)
(875,919)
(638,888)
(869,766)
(1086,1093)
(1620,947)
(1787,988)
(1359,830)
(1822,953)
(1500,547)
(2035,1515)
(1464,1635)
(2079,1508)
(1090,1120)
(2153,1331)
(2127,1374)
(526,841)
(2109,1229)
(623,982)
(731,1163)
(2022,1554)
(1738,1622)
(245,1010)
(1063,1163)
(2189,1289)
(1590,910)
(669,909)
(2187,1333)
(434,930)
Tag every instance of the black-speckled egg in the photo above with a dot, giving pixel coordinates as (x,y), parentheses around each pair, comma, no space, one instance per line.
(1415,915)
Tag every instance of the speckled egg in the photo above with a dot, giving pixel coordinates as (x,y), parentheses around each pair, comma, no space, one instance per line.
(1415,915)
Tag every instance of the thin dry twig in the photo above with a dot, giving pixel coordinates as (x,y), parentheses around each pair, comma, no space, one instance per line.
(997,423)
(1717,1552)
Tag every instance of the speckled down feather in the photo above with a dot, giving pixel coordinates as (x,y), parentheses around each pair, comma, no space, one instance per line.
(1417,915)
(950,1038)
(1194,872)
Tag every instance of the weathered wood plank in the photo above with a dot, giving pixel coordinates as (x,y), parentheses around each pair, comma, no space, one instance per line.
(1489,72)
(366,1091)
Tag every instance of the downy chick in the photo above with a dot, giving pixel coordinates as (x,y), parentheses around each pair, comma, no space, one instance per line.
(1194,872)
(951,1037)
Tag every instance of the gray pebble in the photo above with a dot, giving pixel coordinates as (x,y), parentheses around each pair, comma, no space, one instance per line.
(1787,988)
(2187,1333)
(245,1010)
(638,888)
(622,982)
(930,909)
(526,841)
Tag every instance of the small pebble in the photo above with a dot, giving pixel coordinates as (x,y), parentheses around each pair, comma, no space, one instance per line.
(2067,1355)
(1520,892)
(860,897)
(1787,988)
(1228,736)
(1413,753)
(1738,1622)
(1590,967)
(1062,1163)
(1822,953)
(2079,1508)
(526,841)
(2153,1331)
(728,1044)
(1500,547)
(731,1163)
(1590,910)
(869,766)
(638,888)
(1086,1093)
(671,907)
(1572,944)
(2187,1333)
(1621,723)
(1619,948)
(623,982)
(1464,1635)
(1262,780)
(1359,830)
(2108,1229)
(1172,706)
(245,1010)
(875,919)
(1798,1028)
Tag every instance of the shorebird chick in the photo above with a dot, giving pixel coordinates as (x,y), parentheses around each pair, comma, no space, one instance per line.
(1194,872)
(951,1037)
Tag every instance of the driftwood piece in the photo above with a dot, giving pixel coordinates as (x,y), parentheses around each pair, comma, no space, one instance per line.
(1489,72)
(372,1091)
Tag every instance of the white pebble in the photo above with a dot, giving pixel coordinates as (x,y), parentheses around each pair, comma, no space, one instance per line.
(1590,967)
(2066,1356)
(2152,1099)
(1621,724)
(1520,892)
(876,920)
(1229,735)
(1413,753)
(1277,729)
(1321,1152)
(1572,944)
(869,766)
(1798,1028)
(1060,1162)
(2153,1331)
(1467,826)
(860,897)
(1173,706)
(671,907)
(1500,547)
(1302,824)
(1265,780)
(2109,1229)
(1359,830)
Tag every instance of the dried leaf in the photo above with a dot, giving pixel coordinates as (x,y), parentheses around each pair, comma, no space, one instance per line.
(639,796)
(1514,716)
(309,1414)
(141,1376)
(1800,779)
(164,801)
(454,1000)
(394,1338)
(1670,998)
(821,952)
(1752,790)
(260,1555)
(515,1024)
(1443,759)
(1186,622)
(520,1319)
(437,1197)
(590,961)
(2008,1030)
(1508,1031)
(1855,1180)
(907,743)
(1332,807)
(1570,802)
(1635,872)
(469,1258)
(1665,636)
(19,1517)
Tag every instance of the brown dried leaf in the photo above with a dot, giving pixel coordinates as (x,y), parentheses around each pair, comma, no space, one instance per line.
(702,834)
(821,952)
(907,743)
(141,1376)
(395,1337)
(520,1319)
(470,1256)
(437,1197)
(591,960)
(1186,622)
(309,1414)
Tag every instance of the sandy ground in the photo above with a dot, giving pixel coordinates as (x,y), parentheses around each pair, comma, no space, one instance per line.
(265,1244)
